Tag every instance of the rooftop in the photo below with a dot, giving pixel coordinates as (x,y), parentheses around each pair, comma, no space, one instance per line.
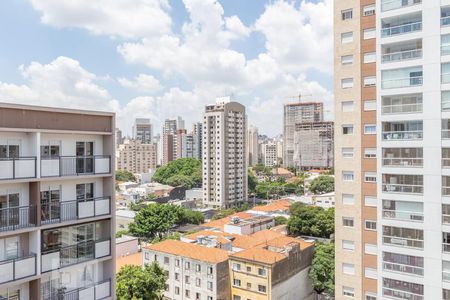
(133,259)
(219,224)
(275,206)
(237,221)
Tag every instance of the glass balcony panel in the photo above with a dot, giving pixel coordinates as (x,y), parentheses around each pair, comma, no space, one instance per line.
(396,4)
(401,29)
(402,55)
(402,104)
(17,268)
(17,168)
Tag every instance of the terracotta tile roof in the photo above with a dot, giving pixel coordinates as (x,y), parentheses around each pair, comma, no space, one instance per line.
(283,171)
(279,205)
(219,224)
(260,255)
(283,241)
(133,259)
(246,242)
(193,251)
(220,236)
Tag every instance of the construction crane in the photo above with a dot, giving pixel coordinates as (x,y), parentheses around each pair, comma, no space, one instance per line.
(300,96)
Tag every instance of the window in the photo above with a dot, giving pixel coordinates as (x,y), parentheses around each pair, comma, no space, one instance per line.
(210,270)
(347,59)
(235,297)
(236,282)
(249,269)
(261,272)
(370,152)
(177,262)
(371,297)
(370,81)
(371,225)
(369,33)
(348,222)
(347,106)
(347,152)
(347,129)
(370,105)
(198,268)
(166,260)
(370,177)
(198,282)
(348,245)
(370,249)
(187,265)
(370,273)
(261,288)
(197,296)
(346,37)
(187,293)
(347,83)
(370,129)
(187,280)
(236,267)
(348,199)
(50,151)
(347,14)
(177,276)
(177,290)
(348,269)
(348,291)
(249,285)
(347,176)
(369,10)
(370,57)
(209,284)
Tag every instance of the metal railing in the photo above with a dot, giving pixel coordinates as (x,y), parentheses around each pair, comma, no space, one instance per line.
(445,247)
(403,162)
(402,108)
(446,162)
(18,167)
(97,291)
(75,165)
(402,268)
(401,29)
(445,219)
(395,4)
(445,78)
(446,190)
(402,82)
(445,50)
(403,242)
(402,215)
(18,268)
(402,55)
(398,294)
(14,218)
(445,21)
(403,135)
(63,211)
(402,188)
(446,275)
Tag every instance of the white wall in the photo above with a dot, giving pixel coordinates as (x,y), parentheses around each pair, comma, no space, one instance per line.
(298,287)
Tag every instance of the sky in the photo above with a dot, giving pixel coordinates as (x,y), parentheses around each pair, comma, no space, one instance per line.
(165,58)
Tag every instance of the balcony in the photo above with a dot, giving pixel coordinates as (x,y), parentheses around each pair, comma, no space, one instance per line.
(402,242)
(100,290)
(396,4)
(410,81)
(401,25)
(75,210)
(75,166)
(19,217)
(445,16)
(17,268)
(403,135)
(402,268)
(402,188)
(402,215)
(17,168)
(402,157)
(402,130)
(74,254)
(402,55)
(412,103)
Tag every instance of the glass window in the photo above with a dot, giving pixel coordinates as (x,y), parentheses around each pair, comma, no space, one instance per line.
(370,129)
(370,105)
(347,129)
(347,152)
(347,14)
(347,176)
(348,245)
(348,199)
(347,106)
(347,59)
(369,10)
(371,225)
(370,152)
(347,83)
(348,222)
(370,81)
(348,291)
(347,37)
(369,33)
(348,269)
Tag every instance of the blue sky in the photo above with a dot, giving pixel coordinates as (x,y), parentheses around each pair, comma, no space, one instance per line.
(161,58)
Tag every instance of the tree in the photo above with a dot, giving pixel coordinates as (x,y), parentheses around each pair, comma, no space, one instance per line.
(119,233)
(322,184)
(280,220)
(310,221)
(155,220)
(184,171)
(261,169)
(192,217)
(136,283)
(222,213)
(252,181)
(125,176)
(322,269)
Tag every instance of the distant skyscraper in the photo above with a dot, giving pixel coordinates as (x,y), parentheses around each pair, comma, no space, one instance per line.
(197,133)
(119,138)
(143,130)
(297,113)
(224,159)
(269,155)
(252,146)
(170,143)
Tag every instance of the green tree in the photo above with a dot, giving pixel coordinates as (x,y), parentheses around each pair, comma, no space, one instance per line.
(192,217)
(280,220)
(310,221)
(184,171)
(252,181)
(125,176)
(119,233)
(172,236)
(136,283)
(322,184)
(222,213)
(155,220)
(322,269)
(261,169)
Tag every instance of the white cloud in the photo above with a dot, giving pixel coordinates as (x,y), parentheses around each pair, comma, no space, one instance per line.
(142,83)
(124,18)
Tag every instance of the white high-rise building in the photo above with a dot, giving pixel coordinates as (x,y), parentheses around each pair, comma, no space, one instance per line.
(269,155)
(224,154)
(252,146)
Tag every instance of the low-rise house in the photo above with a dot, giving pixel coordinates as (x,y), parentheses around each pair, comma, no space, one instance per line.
(194,271)
(126,245)
(325,200)
(123,218)
(276,208)
(248,226)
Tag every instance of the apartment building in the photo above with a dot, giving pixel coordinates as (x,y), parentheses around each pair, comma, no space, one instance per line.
(143,130)
(269,154)
(119,137)
(297,113)
(136,157)
(56,200)
(194,271)
(314,145)
(275,269)
(355,148)
(197,133)
(252,146)
(224,154)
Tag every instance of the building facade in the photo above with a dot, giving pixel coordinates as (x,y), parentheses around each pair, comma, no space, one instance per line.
(314,145)
(136,157)
(57,199)
(252,146)
(297,113)
(143,130)
(197,133)
(224,154)
(355,148)
(269,154)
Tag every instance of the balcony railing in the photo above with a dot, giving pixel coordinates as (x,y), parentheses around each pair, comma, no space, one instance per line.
(75,165)
(445,78)
(402,242)
(403,135)
(445,50)
(402,108)
(401,29)
(19,217)
(402,55)
(445,21)
(97,291)
(402,82)
(74,254)
(402,268)
(446,275)
(402,215)
(445,219)
(403,162)
(18,168)
(395,4)
(446,247)
(398,294)
(402,188)
(63,211)
(17,268)
(446,191)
